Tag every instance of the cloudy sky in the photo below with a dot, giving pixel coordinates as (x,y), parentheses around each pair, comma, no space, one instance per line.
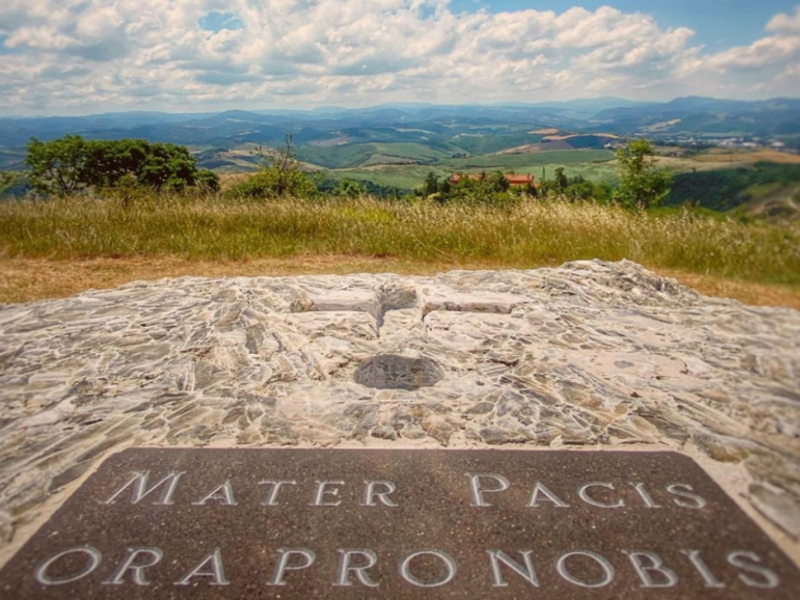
(84,56)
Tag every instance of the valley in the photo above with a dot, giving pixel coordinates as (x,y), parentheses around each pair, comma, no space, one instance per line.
(395,147)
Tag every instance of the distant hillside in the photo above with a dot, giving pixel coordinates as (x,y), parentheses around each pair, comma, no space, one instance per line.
(333,137)
(697,115)
(764,189)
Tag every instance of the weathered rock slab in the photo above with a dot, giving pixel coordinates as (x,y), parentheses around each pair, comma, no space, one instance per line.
(587,354)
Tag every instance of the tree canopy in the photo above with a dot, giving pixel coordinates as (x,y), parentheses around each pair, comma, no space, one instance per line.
(279,175)
(642,184)
(70,164)
(7,181)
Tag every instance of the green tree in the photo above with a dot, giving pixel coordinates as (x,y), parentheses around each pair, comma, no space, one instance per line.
(498,182)
(349,188)
(431,185)
(561,181)
(70,164)
(7,181)
(58,166)
(207,180)
(279,175)
(642,185)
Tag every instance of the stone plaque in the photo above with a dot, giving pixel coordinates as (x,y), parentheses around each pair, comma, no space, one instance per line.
(394,524)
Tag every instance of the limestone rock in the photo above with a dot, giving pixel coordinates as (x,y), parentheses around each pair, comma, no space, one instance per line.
(588,353)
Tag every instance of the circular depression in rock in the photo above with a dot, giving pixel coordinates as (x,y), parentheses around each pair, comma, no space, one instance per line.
(393,372)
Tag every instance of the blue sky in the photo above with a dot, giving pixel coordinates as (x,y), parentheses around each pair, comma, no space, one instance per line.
(719,23)
(81,56)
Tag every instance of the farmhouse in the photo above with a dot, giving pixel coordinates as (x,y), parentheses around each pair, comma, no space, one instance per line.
(513,179)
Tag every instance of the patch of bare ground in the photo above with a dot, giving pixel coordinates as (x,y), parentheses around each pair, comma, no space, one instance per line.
(545,131)
(29,279)
(722,156)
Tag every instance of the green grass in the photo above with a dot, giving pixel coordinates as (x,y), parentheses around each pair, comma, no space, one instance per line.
(354,155)
(486,144)
(410,177)
(404,177)
(530,234)
(533,160)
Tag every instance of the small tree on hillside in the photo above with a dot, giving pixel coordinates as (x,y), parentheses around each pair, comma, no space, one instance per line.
(642,185)
(349,188)
(431,185)
(279,175)
(561,181)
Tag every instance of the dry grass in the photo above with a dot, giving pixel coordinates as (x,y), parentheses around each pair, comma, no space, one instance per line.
(86,243)
(29,280)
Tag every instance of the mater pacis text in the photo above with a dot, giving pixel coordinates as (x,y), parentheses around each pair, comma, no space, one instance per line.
(424,567)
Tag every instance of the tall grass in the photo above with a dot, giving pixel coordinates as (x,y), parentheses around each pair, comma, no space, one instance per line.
(530,234)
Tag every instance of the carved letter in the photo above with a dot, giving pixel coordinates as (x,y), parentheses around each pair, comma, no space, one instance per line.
(608,569)
(94,561)
(648,501)
(540,488)
(702,568)
(284,554)
(272,495)
(370,494)
(656,565)
(343,574)
(321,491)
(140,489)
(675,489)
(223,493)
(405,573)
(118,578)
(770,579)
(478,490)
(498,556)
(216,572)
(586,498)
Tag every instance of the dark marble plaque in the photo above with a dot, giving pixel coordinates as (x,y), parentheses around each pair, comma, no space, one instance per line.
(395,524)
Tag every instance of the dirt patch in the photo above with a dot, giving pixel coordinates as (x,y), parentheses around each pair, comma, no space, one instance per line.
(28,280)
(750,157)
(534,148)
(755,294)
(545,131)
(558,138)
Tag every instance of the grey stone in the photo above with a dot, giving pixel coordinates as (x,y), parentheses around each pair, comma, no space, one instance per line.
(393,372)
(587,353)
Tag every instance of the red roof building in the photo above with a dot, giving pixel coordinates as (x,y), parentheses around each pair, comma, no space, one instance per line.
(520,179)
(512,178)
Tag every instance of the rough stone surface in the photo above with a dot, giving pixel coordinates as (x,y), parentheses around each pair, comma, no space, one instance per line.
(393,372)
(590,353)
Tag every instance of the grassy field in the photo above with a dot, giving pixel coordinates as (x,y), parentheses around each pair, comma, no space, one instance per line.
(594,165)
(536,159)
(404,177)
(527,235)
(405,165)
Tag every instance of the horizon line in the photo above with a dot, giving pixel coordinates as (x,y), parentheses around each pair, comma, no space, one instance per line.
(321,107)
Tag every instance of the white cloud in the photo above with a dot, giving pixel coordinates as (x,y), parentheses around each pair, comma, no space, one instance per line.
(82,55)
(765,68)
(786,23)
